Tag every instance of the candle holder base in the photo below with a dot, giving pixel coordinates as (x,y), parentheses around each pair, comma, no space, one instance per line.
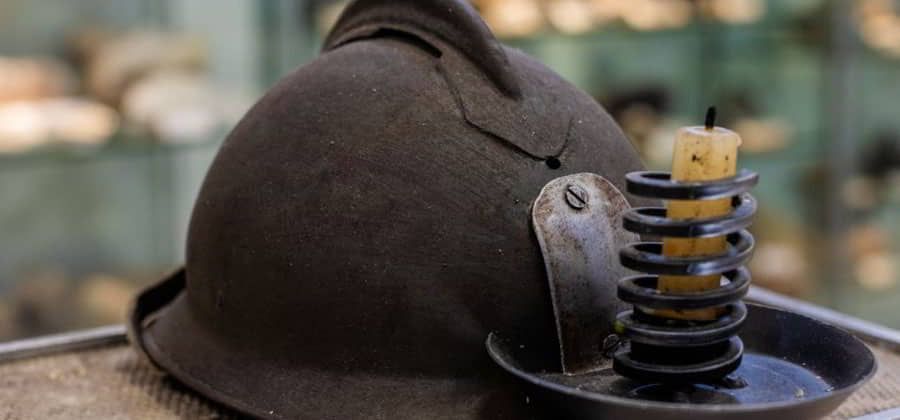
(793,368)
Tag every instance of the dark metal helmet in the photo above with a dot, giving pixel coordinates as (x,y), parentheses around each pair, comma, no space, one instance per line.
(368,224)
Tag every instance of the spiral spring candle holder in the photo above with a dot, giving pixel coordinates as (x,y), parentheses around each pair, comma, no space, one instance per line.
(673,350)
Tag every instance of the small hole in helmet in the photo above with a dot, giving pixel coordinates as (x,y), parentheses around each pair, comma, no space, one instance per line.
(553,163)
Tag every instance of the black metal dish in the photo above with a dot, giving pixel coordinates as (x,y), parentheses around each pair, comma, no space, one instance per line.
(795,368)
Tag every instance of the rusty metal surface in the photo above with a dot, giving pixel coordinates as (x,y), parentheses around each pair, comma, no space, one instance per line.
(577,222)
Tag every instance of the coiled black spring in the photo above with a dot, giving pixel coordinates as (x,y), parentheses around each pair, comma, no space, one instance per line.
(670,350)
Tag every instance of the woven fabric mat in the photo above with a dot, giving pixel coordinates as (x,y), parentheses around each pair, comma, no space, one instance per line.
(114,383)
(106,383)
(881,393)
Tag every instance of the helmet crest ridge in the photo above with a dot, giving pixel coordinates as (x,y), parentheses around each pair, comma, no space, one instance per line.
(453,21)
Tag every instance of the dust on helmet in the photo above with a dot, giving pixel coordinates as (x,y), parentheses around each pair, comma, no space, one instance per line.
(368,223)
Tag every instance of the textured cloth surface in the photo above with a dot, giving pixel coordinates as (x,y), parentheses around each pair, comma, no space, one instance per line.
(115,383)
(881,393)
(106,383)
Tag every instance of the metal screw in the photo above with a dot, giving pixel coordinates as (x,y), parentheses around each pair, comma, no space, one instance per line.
(610,344)
(577,197)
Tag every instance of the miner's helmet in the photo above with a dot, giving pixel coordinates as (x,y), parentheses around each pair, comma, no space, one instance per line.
(369,222)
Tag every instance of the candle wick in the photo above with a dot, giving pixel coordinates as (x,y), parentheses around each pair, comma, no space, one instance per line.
(711,118)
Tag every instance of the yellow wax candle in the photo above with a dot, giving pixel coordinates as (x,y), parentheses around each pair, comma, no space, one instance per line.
(701,153)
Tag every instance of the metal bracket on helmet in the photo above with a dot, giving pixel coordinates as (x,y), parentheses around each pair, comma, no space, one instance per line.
(577,222)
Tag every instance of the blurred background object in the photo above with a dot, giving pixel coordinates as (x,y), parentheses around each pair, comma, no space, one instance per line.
(111,111)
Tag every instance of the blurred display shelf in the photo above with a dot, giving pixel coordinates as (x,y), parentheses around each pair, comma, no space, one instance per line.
(113,208)
(123,207)
(119,147)
(119,208)
(84,225)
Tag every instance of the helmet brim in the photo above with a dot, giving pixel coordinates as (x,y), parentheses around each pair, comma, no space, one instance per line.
(236,375)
